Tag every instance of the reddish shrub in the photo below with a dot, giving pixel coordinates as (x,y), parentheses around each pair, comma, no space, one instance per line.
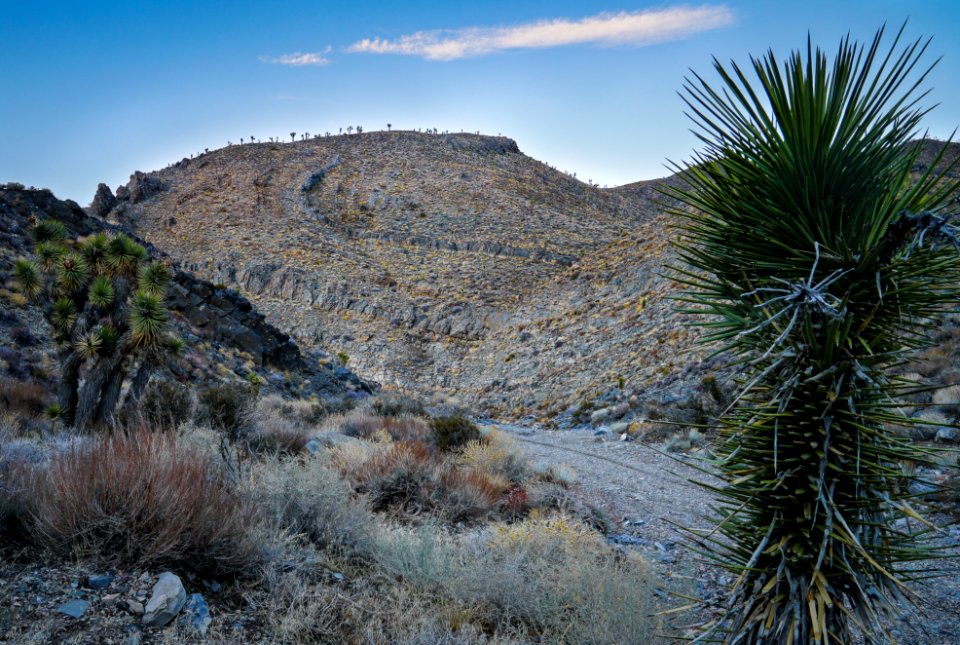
(143,500)
(23,397)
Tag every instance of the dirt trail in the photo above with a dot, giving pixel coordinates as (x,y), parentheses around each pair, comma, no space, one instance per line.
(647,491)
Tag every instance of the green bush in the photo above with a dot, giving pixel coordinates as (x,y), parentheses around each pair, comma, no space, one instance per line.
(164,404)
(454,432)
(225,407)
(815,254)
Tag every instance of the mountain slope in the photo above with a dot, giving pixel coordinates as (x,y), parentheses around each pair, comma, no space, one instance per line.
(450,262)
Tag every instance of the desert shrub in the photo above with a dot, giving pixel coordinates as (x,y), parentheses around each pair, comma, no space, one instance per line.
(14,488)
(410,479)
(163,404)
(225,407)
(24,397)
(399,476)
(363,425)
(395,404)
(561,474)
(454,432)
(541,580)
(815,254)
(495,453)
(142,500)
(309,498)
(23,337)
(267,430)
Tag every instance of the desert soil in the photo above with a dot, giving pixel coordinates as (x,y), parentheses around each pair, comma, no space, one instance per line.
(647,492)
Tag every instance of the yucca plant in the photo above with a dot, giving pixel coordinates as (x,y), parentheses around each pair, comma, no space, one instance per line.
(815,257)
(105,303)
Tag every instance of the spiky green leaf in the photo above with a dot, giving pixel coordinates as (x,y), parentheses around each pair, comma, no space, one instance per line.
(154,277)
(72,272)
(49,231)
(124,256)
(101,292)
(148,319)
(27,277)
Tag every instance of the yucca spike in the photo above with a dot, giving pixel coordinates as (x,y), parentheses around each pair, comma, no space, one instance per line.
(27,277)
(148,318)
(49,230)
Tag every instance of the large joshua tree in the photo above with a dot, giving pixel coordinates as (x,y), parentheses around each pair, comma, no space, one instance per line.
(819,248)
(104,300)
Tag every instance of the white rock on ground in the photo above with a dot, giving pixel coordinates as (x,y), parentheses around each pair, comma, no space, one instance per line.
(165,602)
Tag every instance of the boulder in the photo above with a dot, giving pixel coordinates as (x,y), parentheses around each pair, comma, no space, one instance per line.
(166,601)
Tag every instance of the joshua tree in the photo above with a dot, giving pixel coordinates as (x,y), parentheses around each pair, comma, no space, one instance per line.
(388,127)
(252,139)
(293,136)
(819,260)
(104,300)
(359,129)
(241,141)
(349,129)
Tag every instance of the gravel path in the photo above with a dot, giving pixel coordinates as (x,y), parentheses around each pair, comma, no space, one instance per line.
(648,492)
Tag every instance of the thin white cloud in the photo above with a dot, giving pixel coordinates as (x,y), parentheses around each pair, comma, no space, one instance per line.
(636,28)
(299,59)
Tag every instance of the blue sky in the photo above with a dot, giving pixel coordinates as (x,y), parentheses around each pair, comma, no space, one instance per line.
(95,90)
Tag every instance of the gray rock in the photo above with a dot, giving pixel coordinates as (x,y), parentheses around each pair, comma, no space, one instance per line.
(196,614)
(947,435)
(165,602)
(74,608)
(99,582)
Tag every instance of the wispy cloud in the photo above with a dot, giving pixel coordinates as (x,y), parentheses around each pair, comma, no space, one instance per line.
(299,59)
(625,28)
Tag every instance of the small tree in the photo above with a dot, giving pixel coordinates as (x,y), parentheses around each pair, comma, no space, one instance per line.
(359,129)
(104,300)
(293,136)
(819,260)
(388,127)
(349,129)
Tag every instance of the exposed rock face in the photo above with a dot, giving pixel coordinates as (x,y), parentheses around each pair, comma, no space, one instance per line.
(103,202)
(140,187)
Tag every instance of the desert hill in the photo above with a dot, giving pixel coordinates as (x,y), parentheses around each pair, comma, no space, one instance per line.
(452,262)
(435,262)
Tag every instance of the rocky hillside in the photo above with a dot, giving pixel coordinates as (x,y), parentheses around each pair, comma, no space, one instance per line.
(435,262)
(450,262)
(227,338)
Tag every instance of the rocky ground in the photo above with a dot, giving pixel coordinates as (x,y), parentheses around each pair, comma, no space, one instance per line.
(649,492)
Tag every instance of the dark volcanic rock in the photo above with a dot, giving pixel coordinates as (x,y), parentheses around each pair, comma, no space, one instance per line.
(103,202)
(140,187)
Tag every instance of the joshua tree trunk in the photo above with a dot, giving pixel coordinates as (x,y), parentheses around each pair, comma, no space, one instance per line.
(110,396)
(70,363)
(95,386)
(139,382)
